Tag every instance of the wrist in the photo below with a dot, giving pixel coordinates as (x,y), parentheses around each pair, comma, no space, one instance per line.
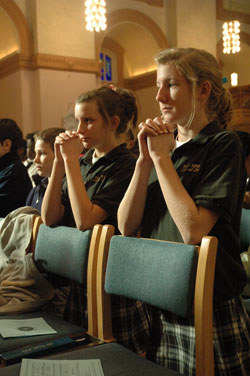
(71,159)
(160,160)
(58,169)
(144,163)
(58,163)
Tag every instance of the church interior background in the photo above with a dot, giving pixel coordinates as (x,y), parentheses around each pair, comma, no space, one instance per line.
(47,57)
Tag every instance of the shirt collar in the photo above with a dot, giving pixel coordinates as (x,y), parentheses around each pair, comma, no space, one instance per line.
(45,181)
(208,131)
(110,155)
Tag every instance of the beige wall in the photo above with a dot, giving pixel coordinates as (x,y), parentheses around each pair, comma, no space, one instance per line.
(27,7)
(59,90)
(30,99)
(10,43)
(53,31)
(196,24)
(10,98)
(147,105)
(19,99)
(40,98)
(60,29)
(140,48)
(157,14)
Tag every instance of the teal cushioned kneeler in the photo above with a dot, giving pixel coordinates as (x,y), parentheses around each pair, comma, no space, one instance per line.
(67,253)
(156,272)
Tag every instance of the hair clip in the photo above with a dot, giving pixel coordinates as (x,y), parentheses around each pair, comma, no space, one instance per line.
(112,87)
(224,80)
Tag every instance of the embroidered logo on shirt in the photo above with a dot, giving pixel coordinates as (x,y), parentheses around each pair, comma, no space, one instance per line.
(191,167)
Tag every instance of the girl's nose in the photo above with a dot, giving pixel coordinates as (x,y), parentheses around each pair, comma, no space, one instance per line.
(161,95)
(81,127)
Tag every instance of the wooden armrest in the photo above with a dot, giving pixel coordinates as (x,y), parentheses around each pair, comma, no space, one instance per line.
(37,221)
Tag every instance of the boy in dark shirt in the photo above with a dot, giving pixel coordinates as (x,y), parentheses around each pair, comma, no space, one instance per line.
(15,183)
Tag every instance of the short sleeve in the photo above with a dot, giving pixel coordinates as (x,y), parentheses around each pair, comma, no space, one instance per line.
(111,194)
(223,178)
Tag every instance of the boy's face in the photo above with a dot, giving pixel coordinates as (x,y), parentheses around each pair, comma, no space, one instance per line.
(44,158)
(5,147)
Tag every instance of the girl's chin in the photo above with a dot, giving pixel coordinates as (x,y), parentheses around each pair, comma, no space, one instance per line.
(167,118)
(86,145)
(170,120)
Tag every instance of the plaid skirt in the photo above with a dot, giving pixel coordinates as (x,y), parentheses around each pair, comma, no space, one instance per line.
(130,319)
(130,323)
(76,310)
(172,343)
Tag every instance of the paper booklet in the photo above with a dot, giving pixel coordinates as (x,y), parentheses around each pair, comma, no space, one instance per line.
(40,367)
(25,328)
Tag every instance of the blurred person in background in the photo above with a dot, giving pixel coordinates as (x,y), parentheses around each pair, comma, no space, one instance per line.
(15,183)
(29,163)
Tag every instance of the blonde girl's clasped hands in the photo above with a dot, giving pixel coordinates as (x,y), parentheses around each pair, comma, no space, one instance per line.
(149,141)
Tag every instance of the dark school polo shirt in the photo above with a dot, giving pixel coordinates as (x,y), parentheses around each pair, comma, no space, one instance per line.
(36,195)
(105,181)
(15,183)
(211,168)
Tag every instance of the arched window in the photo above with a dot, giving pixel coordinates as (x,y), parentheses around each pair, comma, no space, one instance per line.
(108,67)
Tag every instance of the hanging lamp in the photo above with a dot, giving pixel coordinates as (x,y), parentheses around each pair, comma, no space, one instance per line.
(95,15)
(231,37)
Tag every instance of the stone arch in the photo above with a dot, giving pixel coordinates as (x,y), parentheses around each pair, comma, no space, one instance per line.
(22,27)
(128,15)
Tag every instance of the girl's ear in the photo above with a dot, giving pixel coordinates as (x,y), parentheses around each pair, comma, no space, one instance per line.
(205,89)
(115,121)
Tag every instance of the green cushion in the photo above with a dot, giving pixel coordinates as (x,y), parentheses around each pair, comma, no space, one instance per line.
(156,272)
(63,251)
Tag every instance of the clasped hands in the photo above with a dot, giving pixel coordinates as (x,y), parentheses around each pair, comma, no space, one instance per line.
(155,137)
(68,145)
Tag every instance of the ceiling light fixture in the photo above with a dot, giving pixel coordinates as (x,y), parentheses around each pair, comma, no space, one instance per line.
(231,37)
(95,15)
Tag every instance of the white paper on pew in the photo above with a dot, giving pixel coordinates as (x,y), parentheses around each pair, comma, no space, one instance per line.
(42,367)
(25,328)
